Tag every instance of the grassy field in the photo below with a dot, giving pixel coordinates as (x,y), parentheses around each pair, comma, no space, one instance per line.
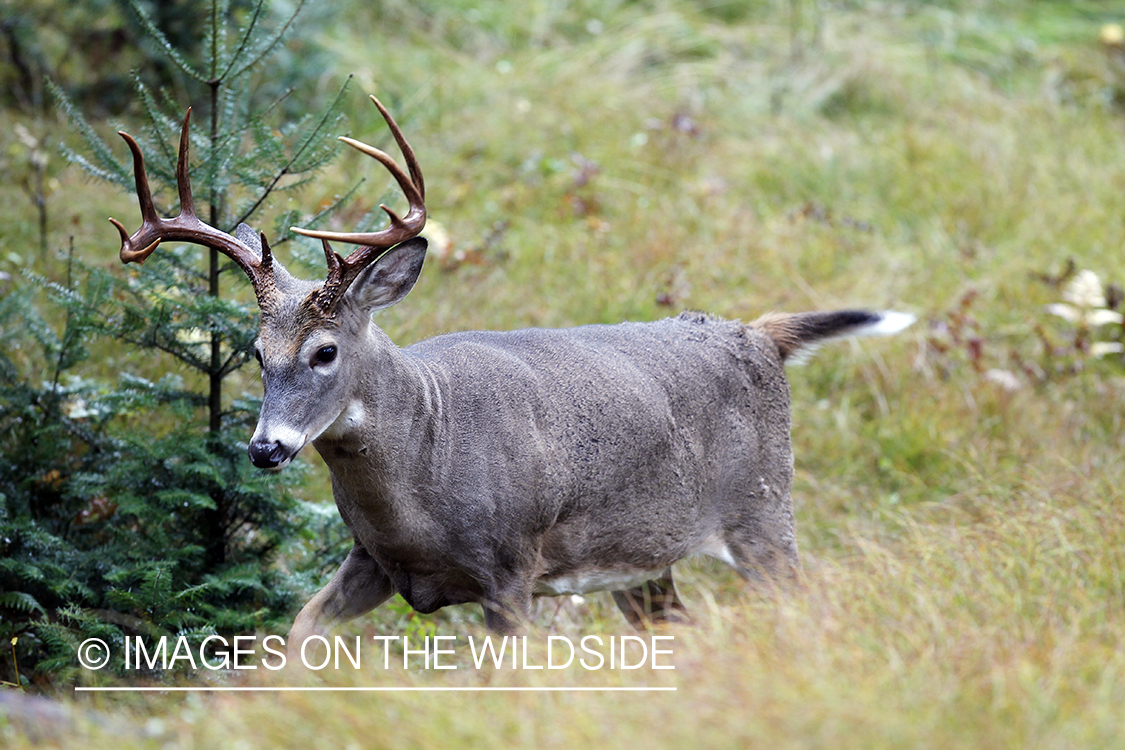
(959,487)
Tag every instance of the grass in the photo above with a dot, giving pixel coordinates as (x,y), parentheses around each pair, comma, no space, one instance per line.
(596,161)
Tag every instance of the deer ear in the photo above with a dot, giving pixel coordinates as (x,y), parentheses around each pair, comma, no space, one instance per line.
(253,240)
(386,281)
(249,237)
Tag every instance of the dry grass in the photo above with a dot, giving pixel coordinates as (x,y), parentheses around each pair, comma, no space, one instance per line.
(963,542)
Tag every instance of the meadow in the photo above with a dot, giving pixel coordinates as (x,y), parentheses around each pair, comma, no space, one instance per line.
(958,487)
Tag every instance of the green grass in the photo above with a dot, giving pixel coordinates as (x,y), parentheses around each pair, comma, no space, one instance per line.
(963,543)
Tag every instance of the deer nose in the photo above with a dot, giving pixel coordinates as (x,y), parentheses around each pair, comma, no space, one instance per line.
(268,454)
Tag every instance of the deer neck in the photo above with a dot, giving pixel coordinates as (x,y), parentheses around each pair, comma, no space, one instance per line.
(392,410)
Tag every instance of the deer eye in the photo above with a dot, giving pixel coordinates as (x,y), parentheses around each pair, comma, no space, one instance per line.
(324,355)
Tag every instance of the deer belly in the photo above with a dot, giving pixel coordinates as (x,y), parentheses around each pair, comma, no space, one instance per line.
(587,581)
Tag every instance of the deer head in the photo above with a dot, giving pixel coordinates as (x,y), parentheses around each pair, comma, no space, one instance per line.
(307,328)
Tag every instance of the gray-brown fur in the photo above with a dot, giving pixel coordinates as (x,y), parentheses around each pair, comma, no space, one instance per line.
(493,466)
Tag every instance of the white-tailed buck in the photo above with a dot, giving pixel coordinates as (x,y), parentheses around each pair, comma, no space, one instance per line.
(492,467)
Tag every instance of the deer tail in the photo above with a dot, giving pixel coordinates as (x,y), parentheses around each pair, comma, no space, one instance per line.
(799,334)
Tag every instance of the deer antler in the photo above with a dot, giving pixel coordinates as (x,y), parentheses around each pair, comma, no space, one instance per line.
(187,227)
(343,271)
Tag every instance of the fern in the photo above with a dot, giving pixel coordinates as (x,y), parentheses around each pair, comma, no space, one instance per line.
(20,601)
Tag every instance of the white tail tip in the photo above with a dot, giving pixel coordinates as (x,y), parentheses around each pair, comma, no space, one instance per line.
(891,322)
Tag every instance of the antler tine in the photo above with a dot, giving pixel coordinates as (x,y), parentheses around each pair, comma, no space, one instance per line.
(415,216)
(129,252)
(342,271)
(183,180)
(407,151)
(186,227)
(266,263)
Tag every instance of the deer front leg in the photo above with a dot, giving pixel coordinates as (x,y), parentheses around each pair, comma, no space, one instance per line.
(507,605)
(358,587)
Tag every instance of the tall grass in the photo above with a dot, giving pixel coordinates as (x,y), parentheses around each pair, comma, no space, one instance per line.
(593,161)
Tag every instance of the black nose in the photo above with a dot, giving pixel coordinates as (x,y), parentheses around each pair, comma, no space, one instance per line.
(268,455)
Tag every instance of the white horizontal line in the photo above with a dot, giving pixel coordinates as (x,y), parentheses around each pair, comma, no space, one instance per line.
(364,689)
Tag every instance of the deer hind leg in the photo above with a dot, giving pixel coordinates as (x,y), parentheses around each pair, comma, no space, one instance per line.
(766,563)
(358,587)
(655,601)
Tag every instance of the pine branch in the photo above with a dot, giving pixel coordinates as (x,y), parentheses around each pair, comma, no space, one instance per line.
(246,37)
(107,166)
(310,140)
(161,40)
(269,46)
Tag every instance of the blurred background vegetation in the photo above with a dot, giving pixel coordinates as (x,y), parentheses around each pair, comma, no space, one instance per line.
(958,488)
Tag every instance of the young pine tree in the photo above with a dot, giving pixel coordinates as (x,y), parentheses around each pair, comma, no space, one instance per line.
(131,508)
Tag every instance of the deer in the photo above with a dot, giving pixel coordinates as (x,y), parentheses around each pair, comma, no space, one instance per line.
(498,466)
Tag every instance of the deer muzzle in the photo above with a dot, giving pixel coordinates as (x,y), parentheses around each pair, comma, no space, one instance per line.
(272,454)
